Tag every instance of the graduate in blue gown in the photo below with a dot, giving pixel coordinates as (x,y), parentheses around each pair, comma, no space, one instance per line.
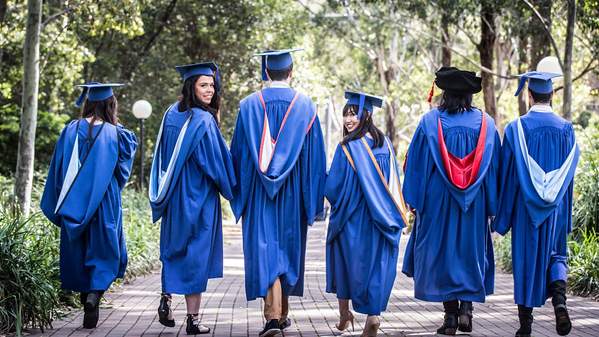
(279,159)
(91,163)
(367,215)
(191,168)
(451,184)
(538,162)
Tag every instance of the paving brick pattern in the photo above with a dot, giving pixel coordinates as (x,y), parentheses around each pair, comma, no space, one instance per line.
(131,309)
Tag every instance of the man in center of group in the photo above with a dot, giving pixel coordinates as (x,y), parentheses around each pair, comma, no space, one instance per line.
(279,158)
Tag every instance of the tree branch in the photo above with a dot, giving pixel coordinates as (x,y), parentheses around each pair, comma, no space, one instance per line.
(55,16)
(547,30)
(590,67)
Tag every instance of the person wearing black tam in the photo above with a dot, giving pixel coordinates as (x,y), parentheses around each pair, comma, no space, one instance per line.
(453,157)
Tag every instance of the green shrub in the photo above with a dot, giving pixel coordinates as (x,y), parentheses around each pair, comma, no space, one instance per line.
(143,237)
(503,252)
(29,285)
(584,264)
(586,213)
(30,293)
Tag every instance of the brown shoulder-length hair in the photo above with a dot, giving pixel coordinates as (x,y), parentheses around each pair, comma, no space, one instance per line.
(105,110)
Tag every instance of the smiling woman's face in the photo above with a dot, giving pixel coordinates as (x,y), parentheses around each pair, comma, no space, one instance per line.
(204,89)
(350,121)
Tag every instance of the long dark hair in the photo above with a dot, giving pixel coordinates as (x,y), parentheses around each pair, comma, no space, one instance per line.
(188,99)
(366,125)
(105,110)
(455,103)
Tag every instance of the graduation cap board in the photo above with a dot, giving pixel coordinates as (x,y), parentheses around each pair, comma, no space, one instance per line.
(539,82)
(363,101)
(454,80)
(203,68)
(96,91)
(276,60)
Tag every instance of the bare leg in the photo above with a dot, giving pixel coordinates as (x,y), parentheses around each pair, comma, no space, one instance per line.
(273,302)
(193,303)
(343,306)
(346,317)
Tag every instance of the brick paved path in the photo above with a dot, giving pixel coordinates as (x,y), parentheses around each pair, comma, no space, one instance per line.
(131,310)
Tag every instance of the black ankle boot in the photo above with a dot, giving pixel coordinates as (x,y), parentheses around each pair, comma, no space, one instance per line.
(91,309)
(165,314)
(450,320)
(194,327)
(465,316)
(563,325)
(525,318)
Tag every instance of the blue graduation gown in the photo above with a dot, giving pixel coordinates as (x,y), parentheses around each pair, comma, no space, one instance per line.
(191,241)
(277,205)
(92,244)
(450,251)
(364,228)
(539,228)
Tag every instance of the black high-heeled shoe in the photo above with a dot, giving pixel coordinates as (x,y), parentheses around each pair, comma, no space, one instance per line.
(465,317)
(194,327)
(165,314)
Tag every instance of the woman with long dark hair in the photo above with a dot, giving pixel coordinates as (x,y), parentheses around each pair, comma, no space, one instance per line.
(367,216)
(91,163)
(451,185)
(191,166)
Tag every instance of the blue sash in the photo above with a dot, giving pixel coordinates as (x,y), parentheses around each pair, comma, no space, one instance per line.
(163,176)
(540,206)
(85,180)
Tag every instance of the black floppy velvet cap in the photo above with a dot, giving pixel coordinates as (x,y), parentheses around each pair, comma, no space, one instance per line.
(458,81)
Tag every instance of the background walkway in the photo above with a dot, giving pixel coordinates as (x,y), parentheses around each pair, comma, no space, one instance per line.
(131,310)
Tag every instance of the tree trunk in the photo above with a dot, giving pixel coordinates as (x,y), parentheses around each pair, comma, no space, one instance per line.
(445,40)
(3,8)
(485,49)
(540,45)
(31,74)
(567,105)
(522,68)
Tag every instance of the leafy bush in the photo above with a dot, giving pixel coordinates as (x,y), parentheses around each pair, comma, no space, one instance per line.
(143,237)
(503,252)
(30,293)
(586,213)
(584,262)
(29,285)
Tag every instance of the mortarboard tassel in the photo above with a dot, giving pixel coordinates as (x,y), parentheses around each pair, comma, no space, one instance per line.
(431,93)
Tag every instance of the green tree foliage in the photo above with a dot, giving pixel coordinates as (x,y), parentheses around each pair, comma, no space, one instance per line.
(137,43)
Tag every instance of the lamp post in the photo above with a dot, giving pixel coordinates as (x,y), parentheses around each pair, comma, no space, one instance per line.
(142,109)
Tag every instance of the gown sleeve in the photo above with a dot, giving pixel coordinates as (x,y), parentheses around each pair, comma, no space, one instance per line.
(418,168)
(313,172)
(241,160)
(342,192)
(492,179)
(53,182)
(214,159)
(508,188)
(127,148)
